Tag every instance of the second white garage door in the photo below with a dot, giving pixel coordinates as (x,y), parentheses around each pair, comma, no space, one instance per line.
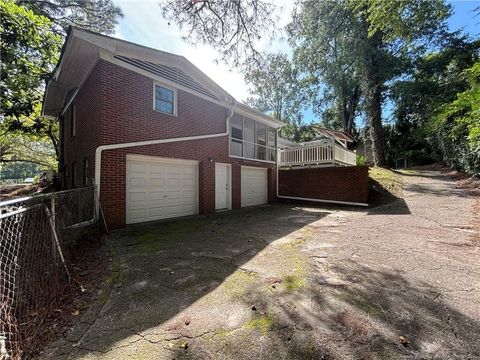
(254,186)
(160,188)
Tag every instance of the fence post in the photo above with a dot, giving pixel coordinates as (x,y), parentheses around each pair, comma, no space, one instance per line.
(52,207)
(57,241)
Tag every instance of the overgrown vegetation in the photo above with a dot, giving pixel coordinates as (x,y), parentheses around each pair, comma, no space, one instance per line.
(32,33)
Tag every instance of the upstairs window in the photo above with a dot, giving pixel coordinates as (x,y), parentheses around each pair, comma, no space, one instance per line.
(165,100)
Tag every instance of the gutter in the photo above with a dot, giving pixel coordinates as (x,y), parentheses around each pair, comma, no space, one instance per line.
(98,151)
(311,199)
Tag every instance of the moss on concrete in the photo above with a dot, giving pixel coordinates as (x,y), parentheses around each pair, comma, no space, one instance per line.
(237,284)
(113,278)
(263,323)
(152,240)
(293,282)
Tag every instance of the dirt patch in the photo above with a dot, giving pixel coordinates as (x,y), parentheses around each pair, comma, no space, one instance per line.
(89,267)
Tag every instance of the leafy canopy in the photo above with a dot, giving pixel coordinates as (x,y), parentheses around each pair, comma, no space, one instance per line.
(28,50)
(232,27)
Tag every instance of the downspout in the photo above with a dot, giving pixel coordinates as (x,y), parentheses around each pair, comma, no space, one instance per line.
(308,199)
(98,151)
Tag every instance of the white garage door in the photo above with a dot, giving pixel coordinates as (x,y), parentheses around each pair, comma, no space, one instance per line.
(254,186)
(160,188)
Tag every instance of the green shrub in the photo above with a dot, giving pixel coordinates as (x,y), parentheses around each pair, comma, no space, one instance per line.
(361,160)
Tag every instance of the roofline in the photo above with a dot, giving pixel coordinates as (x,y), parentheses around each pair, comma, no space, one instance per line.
(57,66)
(74,31)
(339,131)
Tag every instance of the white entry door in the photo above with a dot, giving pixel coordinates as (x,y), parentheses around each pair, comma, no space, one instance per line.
(254,186)
(159,188)
(222,186)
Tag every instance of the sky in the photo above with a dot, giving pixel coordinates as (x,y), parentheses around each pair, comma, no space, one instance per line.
(143,24)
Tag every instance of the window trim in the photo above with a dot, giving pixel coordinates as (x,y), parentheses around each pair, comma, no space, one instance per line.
(267,145)
(74,175)
(73,121)
(85,171)
(175,98)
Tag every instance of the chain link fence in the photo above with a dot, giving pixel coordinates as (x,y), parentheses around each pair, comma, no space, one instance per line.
(34,232)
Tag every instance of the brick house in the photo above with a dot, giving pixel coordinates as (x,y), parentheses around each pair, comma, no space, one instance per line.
(159,138)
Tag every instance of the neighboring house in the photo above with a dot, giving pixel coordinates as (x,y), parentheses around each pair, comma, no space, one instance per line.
(159,138)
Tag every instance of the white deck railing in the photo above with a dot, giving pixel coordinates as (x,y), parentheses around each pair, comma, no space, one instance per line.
(316,155)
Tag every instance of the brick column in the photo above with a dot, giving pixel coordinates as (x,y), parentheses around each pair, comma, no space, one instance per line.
(206,187)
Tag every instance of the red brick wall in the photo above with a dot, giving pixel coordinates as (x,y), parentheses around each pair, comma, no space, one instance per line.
(346,183)
(88,134)
(115,105)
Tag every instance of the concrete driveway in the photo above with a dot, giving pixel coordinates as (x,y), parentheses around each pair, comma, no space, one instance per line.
(294,282)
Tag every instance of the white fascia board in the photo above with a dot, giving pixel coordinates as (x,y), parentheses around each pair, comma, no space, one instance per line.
(259,117)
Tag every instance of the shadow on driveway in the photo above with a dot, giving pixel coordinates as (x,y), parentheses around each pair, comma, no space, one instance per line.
(255,284)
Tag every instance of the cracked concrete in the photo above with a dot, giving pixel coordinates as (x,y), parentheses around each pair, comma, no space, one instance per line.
(294,282)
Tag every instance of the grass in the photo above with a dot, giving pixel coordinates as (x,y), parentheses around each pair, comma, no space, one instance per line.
(385,186)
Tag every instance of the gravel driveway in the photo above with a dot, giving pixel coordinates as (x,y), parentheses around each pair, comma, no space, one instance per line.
(294,282)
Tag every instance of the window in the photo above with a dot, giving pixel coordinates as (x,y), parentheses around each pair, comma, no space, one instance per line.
(72,120)
(271,150)
(261,141)
(165,100)
(236,130)
(249,133)
(251,139)
(85,172)
(74,173)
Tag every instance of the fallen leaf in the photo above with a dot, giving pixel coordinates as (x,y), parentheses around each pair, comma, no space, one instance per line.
(404,341)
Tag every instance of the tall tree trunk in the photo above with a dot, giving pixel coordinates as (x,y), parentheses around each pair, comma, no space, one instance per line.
(372,84)
(374,115)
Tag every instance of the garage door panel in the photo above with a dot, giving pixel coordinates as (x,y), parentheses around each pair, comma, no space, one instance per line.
(136,214)
(137,182)
(137,197)
(157,169)
(156,182)
(137,168)
(254,186)
(157,195)
(157,212)
(159,189)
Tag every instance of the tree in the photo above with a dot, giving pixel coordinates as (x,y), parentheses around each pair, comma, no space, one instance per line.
(27,149)
(232,27)
(323,36)
(31,36)
(28,51)
(433,81)
(392,28)
(277,89)
(457,125)
(95,15)
(354,46)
